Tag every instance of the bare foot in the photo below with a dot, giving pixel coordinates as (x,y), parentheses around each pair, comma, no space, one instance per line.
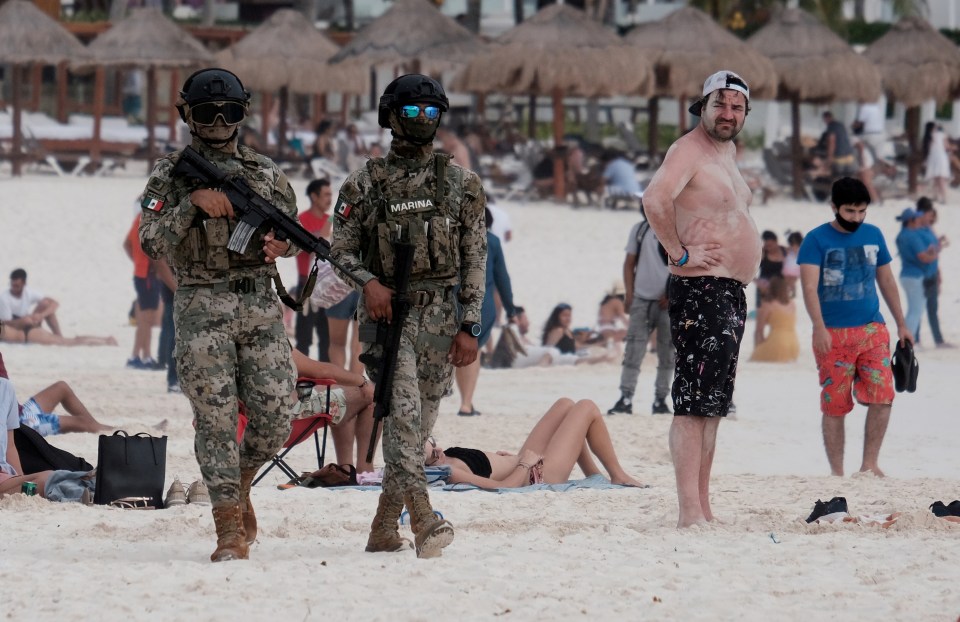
(683,524)
(162,426)
(875,471)
(628,481)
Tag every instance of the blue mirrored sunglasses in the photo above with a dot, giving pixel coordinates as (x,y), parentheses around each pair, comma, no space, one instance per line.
(412,111)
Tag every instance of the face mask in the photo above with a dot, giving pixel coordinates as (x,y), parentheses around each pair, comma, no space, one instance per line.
(420,131)
(847,225)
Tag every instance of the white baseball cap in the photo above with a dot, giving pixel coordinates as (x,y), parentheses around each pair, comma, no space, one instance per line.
(720,80)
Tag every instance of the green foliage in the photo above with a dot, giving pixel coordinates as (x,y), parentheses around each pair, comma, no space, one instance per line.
(859,31)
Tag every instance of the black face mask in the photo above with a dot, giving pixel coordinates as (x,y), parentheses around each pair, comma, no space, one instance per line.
(847,225)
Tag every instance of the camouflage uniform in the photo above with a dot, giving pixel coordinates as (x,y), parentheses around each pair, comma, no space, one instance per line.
(230,340)
(446,286)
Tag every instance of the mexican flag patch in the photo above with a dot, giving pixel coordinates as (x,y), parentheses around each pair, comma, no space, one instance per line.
(152,203)
(343,209)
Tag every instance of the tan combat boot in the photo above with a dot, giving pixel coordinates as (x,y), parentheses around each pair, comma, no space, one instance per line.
(246,506)
(231,539)
(431,534)
(384,532)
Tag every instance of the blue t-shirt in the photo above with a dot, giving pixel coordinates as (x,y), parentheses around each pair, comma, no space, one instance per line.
(929,237)
(621,176)
(848,273)
(910,243)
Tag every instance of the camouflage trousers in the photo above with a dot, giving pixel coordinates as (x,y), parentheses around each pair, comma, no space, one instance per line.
(422,376)
(232,346)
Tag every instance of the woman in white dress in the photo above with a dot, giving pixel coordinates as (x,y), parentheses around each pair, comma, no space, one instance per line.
(937,160)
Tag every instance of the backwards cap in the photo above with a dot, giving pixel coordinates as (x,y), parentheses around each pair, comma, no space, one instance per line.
(720,80)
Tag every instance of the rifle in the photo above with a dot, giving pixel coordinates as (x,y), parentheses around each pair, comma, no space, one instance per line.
(252,211)
(388,336)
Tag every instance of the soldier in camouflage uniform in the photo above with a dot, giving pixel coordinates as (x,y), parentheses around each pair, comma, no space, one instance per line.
(438,207)
(230,341)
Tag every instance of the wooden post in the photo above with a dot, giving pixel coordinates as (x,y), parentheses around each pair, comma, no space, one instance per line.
(266,103)
(558,163)
(282,122)
(173,115)
(36,83)
(17,129)
(532,120)
(682,119)
(796,148)
(151,116)
(99,86)
(62,87)
(912,126)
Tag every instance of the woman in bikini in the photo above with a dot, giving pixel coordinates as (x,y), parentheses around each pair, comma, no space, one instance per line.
(570,433)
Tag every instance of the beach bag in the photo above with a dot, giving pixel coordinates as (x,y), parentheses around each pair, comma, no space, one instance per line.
(506,350)
(131,466)
(329,289)
(37,455)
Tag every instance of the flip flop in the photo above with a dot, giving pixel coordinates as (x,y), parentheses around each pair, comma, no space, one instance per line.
(905,368)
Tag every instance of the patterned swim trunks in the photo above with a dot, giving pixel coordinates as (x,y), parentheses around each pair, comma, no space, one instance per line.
(32,416)
(707,318)
(316,402)
(857,365)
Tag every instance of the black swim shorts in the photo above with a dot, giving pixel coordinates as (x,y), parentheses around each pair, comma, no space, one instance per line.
(148,291)
(707,317)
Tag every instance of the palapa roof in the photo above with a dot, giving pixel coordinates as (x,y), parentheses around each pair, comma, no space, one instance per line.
(916,62)
(559,48)
(29,35)
(287,51)
(146,38)
(687,46)
(813,63)
(412,30)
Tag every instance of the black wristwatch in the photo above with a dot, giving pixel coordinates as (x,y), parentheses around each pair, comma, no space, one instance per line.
(471,328)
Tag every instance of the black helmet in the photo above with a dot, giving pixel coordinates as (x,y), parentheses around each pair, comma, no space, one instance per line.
(408,89)
(212,84)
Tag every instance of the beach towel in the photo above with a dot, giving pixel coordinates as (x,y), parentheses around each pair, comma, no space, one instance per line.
(595,482)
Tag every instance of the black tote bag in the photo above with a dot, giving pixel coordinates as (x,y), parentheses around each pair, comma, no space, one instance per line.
(131,466)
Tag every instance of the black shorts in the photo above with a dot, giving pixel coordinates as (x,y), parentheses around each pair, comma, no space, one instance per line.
(148,291)
(707,317)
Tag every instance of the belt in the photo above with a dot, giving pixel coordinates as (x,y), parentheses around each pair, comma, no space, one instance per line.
(422,297)
(847,159)
(245,285)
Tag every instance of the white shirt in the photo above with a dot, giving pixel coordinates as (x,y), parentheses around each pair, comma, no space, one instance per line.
(22,306)
(872,118)
(10,416)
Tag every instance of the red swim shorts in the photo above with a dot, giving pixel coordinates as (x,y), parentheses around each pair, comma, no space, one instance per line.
(857,365)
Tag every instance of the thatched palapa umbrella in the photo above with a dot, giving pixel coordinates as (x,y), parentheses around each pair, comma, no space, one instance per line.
(287,54)
(687,46)
(558,52)
(814,65)
(414,33)
(148,39)
(917,64)
(28,35)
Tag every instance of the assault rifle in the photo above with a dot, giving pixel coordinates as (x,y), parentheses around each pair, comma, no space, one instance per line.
(388,336)
(252,211)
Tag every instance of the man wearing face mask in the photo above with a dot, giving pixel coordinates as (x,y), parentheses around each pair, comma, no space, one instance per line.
(697,204)
(415,196)
(230,340)
(842,263)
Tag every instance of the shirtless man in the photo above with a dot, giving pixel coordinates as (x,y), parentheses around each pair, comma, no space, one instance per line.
(697,205)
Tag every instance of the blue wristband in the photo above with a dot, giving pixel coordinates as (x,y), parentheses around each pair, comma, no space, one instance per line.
(684,258)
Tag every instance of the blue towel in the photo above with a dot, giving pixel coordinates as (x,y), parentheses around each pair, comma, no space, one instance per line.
(69,485)
(596,482)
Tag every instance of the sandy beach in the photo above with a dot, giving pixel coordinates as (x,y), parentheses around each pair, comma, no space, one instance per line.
(583,554)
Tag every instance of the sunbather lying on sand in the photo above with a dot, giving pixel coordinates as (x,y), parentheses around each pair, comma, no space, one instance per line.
(565,436)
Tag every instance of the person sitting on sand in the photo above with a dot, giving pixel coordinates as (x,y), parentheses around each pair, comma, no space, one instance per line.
(570,433)
(10,469)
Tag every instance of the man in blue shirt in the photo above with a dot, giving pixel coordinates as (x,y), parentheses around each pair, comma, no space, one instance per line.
(842,264)
(916,251)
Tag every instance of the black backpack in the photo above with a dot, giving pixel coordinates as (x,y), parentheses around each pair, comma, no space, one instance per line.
(36,454)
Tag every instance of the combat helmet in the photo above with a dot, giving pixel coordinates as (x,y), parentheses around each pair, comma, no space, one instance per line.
(408,89)
(210,94)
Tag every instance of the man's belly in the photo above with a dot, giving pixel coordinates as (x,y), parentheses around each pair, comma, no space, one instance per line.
(739,242)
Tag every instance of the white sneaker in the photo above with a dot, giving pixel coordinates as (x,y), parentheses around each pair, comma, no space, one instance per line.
(198,494)
(175,494)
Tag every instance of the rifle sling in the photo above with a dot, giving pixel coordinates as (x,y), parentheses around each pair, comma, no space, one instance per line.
(287,299)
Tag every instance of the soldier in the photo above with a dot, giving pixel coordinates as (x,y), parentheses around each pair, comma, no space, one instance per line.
(439,207)
(230,341)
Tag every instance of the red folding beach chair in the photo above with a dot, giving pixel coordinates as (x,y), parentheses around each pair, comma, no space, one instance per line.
(302,428)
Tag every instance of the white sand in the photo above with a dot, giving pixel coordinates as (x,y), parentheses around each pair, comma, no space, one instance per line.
(547,556)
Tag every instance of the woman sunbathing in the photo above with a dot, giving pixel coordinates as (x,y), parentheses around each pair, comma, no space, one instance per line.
(565,436)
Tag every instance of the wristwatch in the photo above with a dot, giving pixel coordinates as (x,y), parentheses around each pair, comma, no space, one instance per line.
(472,328)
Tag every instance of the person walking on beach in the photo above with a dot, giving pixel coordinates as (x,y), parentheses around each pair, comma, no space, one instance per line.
(316,220)
(645,277)
(842,263)
(230,340)
(697,205)
(417,196)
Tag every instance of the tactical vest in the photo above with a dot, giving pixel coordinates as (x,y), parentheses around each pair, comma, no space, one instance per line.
(205,244)
(428,220)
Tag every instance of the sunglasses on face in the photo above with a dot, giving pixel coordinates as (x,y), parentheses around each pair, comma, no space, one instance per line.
(207,112)
(412,111)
